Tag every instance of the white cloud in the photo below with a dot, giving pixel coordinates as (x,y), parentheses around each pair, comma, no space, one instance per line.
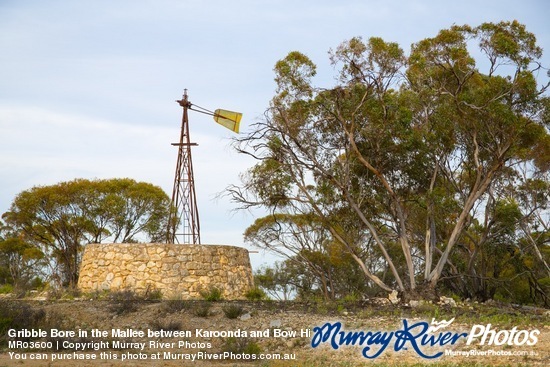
(43,147)
(88,87)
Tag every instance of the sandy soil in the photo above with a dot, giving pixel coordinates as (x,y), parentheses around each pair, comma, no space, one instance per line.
(87,315)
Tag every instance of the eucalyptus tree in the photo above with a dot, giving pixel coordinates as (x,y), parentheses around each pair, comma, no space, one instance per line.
(61,219)
(20,263)
(505,252)
(316,265)
(403,148)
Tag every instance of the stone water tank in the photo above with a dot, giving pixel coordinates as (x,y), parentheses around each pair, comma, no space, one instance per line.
(178,271)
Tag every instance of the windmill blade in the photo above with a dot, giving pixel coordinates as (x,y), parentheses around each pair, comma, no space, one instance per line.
(228,119)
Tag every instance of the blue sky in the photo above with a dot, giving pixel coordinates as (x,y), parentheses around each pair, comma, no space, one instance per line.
(88,88)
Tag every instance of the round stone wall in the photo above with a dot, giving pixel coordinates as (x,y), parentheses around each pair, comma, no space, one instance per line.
(178,271)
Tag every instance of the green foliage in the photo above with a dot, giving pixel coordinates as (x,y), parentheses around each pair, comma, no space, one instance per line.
(414,168)
(212,294)
(176,305)
(123,302)
(18,315)
(6,288)
(276,281)
(62,293)
(271,182)
(20,262)
(58,220)
(315,264)
(255,294)
(202,309)
(152,294)
(293,75)
(232,311)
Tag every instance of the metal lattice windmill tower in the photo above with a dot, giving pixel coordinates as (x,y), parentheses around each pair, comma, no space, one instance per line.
(183,222)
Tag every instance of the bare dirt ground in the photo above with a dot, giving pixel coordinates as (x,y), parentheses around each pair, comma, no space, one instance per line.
(143,316)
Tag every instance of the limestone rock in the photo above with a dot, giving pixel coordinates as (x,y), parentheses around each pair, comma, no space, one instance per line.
(393,297)
(446,301)
(275,323)
(178,271)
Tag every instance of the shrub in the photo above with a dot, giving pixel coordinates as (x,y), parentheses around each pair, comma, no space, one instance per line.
(212,295)
(255,294)
(175,305)
(6,288)
(202,309)
(98,295)
(232,311)
(124,302)
(18,315)
(153,294)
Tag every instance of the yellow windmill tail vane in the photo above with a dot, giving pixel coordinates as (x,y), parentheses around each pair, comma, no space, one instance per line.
(228,119)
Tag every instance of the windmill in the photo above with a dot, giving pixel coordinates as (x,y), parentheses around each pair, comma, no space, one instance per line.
(183,221)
